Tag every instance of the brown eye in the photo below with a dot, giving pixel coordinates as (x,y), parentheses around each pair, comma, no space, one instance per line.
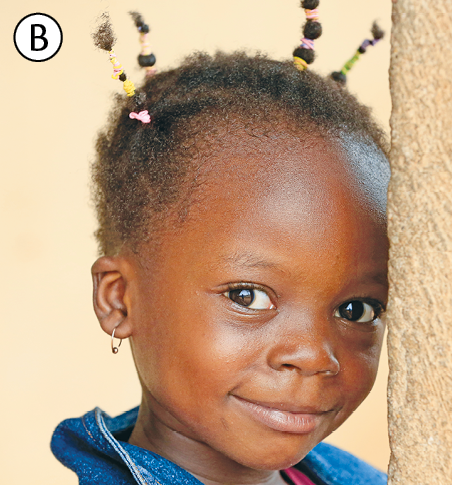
(243,296)
(250,298)
(357,311)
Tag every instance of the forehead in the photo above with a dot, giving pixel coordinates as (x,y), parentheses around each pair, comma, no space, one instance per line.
(281,197)
(302,170)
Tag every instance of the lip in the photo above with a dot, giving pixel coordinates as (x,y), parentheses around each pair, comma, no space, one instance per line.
(283,417)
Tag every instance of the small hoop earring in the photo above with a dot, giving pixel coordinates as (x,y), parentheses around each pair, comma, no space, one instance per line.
(114,349)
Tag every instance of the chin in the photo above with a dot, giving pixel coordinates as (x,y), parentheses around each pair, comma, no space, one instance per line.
(274,462)
(264,457)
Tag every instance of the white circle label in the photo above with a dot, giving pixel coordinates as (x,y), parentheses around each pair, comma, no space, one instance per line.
(38,37)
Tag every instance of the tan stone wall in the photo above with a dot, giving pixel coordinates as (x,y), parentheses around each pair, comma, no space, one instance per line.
(420,226)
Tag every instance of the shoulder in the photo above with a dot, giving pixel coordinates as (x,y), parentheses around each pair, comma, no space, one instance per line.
(337,467)
(87,447)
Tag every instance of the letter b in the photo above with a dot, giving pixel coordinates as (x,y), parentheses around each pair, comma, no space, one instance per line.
(45,42)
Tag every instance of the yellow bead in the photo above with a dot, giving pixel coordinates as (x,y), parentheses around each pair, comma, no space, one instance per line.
(300,64)
(129,87)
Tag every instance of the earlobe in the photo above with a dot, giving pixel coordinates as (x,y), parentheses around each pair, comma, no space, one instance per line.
(110,301)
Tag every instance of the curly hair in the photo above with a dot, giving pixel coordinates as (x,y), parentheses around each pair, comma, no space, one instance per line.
(140,168)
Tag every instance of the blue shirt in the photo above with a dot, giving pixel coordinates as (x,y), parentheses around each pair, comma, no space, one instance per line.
(95,447)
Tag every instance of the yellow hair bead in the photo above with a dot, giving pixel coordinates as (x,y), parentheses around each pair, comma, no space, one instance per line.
(300,63)
(129,87)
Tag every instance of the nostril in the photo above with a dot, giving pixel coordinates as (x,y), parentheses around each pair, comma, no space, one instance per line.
(328,372)
(331,372)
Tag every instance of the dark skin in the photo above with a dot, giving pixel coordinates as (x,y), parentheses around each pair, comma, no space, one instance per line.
(305,237)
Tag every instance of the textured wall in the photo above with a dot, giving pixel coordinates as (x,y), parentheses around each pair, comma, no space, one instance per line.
(420,225)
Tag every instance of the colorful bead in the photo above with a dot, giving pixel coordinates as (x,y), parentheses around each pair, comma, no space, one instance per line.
(146,52)
(378,34)
(129,87)
(349,64)
(145,45)
(300,63)
(304,54)
(307,43)
(117,67)
(312,14)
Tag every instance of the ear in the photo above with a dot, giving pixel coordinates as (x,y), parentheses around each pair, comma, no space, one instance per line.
(111,295)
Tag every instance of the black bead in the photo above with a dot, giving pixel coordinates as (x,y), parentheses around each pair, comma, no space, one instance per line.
(312,30)
(144,29)
(310,4)
(306,54)
(123,77)
(339,77)
(146,61)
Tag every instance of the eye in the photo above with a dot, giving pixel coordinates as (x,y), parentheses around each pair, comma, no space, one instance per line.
(359,311)
(250,298)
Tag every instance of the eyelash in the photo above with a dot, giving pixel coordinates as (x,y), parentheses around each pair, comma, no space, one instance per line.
(245,286)
(249,286)
(377,307)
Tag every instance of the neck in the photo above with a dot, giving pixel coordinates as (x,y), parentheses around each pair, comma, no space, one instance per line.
(209,466)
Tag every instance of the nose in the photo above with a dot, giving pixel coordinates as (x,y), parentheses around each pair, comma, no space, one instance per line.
(308,349)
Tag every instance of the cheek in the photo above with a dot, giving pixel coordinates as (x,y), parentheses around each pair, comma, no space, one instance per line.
(190,358)
(359,366)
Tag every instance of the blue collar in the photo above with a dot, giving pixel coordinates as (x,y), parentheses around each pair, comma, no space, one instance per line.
(91,446)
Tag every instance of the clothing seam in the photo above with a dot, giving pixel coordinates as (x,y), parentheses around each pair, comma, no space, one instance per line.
(97,442)
(121,451)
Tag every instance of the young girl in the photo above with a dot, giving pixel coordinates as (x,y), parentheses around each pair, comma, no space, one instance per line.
(241,207)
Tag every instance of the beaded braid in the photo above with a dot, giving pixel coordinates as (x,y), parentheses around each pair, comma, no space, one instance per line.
(146,58)
(304,54)
(104,38)
(378,34)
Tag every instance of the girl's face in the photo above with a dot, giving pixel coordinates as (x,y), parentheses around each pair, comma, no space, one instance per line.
(256,327)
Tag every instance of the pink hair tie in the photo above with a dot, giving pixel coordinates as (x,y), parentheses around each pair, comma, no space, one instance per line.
(307,43)
(143,116)
(312,14)
(151,71)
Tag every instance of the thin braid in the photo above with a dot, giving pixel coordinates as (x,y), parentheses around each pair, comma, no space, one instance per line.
(146,58)
(105,39)
(377,34)
(304,54)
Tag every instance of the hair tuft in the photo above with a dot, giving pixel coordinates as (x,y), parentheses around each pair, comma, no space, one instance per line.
(377,32)
(104,38)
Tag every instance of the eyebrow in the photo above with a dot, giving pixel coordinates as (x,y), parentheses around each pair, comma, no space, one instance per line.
(380,278)
(250,260)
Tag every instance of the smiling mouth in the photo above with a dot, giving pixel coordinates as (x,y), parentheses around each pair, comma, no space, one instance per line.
(282,417)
